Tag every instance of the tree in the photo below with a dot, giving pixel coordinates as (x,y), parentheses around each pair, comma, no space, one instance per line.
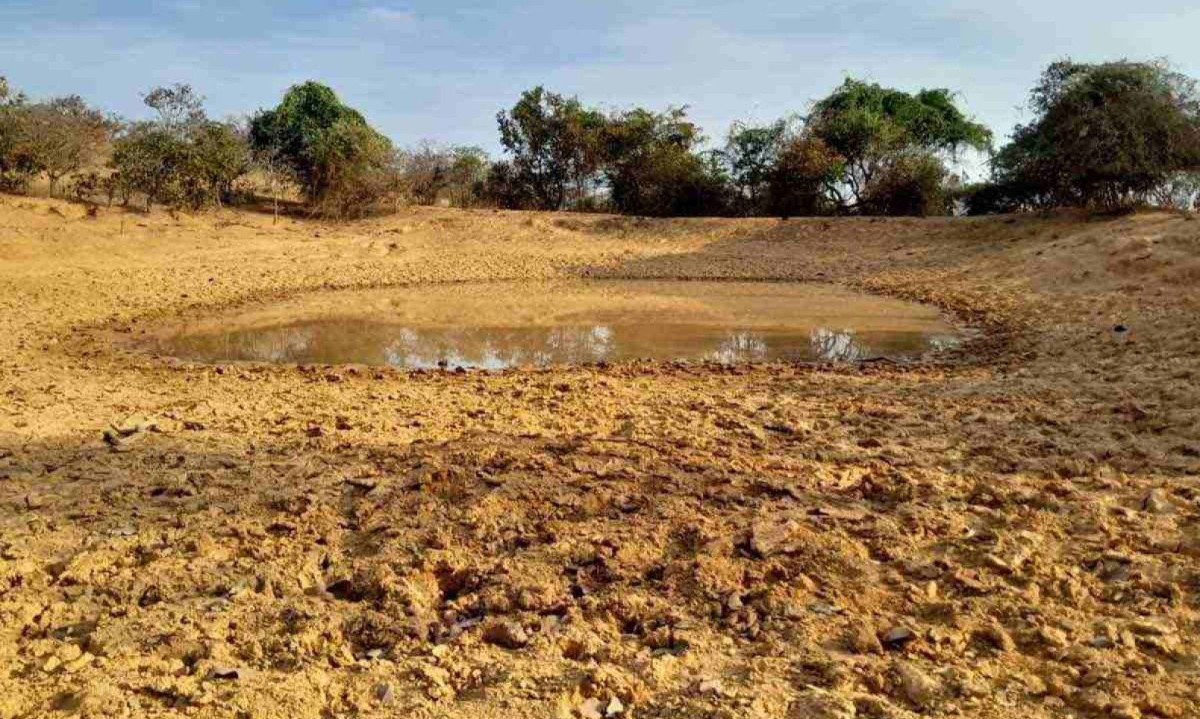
(800,181)
(752,153)
(651,167)
(18,164)
(1104,135)
(326,146)
(503,189)
(182,158)
(554,144)
(219,154)
(64,135)
(875,130)
(431,172)
(147,159)
(178,106)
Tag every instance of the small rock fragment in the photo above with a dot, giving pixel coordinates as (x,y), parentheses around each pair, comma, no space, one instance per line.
(998,637)
(863,640)
(814,703)
(918,687)
(1156,502)
(1052,637)
(590,709)
(897,637)
(384,693)
(507,634)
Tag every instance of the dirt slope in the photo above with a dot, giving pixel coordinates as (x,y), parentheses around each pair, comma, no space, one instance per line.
(1015,534)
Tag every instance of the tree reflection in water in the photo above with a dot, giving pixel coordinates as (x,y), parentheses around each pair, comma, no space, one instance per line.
(496,348)
(834,346)
(359,342)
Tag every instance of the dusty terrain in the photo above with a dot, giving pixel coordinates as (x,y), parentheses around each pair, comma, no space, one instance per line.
(1012,532)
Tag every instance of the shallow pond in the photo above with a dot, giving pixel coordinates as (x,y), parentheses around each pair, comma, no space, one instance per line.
(494,325)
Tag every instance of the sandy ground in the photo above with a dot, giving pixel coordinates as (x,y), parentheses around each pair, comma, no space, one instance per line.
(1013,533)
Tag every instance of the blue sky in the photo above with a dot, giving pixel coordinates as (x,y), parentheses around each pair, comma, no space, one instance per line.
(424,69)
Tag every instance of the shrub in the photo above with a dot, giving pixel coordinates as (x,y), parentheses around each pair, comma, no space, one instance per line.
(430,173)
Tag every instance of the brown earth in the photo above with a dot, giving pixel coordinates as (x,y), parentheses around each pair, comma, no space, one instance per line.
(1013,532)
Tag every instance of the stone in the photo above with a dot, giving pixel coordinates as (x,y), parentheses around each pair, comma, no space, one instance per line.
(590,709)
(769,537)
(917,686)
(614,708)
(814,703)
(862,639)
(1156,502)
(384,693)
(1055,638)
(897,637)
(507,634)
(998,637)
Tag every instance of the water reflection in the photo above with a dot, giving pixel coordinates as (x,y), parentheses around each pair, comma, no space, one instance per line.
(360,342)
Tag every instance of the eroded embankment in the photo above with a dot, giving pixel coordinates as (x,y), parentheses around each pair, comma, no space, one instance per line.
(1011,536)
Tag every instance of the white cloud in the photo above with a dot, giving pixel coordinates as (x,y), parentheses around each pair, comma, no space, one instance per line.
(391,15)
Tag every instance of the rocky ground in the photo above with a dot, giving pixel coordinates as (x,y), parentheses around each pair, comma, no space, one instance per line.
(1010,532)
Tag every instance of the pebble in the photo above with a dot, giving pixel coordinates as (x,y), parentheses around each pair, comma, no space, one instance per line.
(590,709)
(384,693)
(863,640)
(918,686)
(507,634)
(1156,502)
(1056,638)
(898,636)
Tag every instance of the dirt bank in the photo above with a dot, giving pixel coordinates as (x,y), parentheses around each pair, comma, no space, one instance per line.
(1016,534)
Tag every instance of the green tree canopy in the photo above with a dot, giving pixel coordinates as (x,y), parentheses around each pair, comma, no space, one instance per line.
(553,142)
(323,143)
(873,128)
(1104,135)
(752,152)
(652,167)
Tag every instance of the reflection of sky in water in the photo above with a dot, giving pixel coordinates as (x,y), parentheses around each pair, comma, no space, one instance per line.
(361,342)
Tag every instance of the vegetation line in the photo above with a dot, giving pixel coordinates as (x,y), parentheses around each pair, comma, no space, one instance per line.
(1110,137)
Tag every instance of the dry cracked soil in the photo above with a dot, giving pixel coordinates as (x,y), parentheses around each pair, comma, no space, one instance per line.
(1008,530)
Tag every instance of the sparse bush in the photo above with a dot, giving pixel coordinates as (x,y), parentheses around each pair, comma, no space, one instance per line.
(430,173)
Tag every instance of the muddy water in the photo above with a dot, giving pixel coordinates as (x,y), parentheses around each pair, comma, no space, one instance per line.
(496,325)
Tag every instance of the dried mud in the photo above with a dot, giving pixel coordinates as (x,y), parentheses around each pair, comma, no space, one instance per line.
(1010,532)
